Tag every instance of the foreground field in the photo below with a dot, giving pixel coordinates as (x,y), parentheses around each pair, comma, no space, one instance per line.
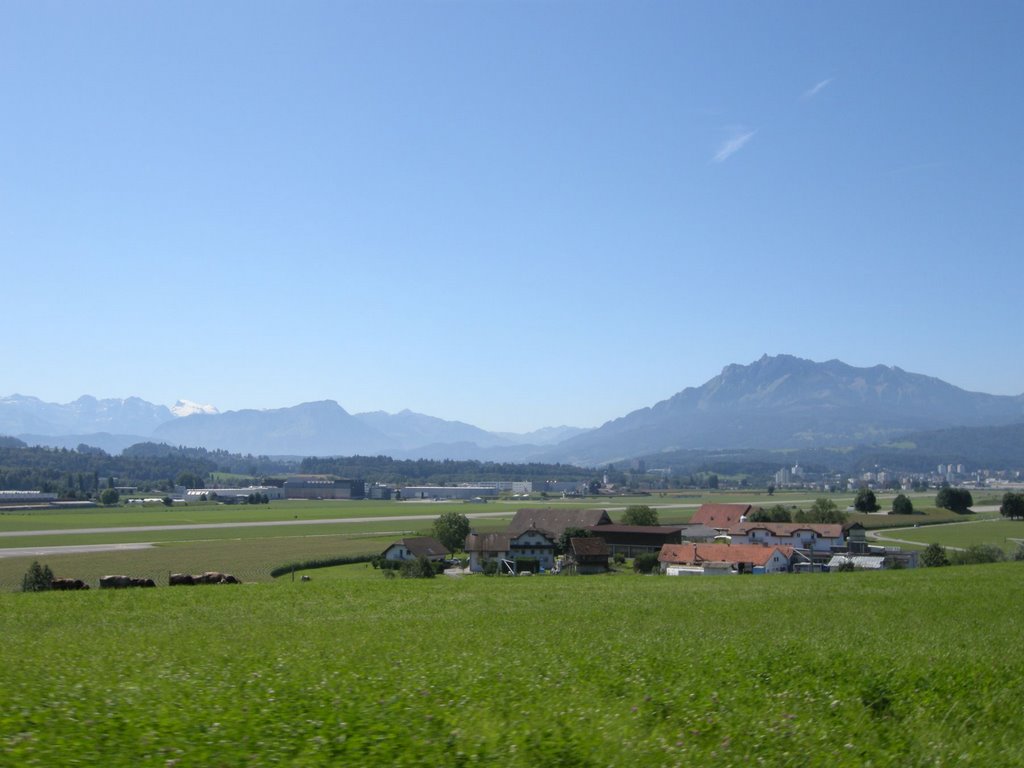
(900,668)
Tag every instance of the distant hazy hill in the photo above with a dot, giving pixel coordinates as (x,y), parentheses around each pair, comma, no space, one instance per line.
(407,430)
(30,415)
(322,428)
(788,402)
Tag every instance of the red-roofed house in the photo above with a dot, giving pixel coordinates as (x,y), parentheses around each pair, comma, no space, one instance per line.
(741,558)
(720,515)
(815,538)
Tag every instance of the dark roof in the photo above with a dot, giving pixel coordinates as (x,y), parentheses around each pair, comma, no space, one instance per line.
(720,515)
(426,546)
(555,521)
(664,530)
(487,542)
(588,546)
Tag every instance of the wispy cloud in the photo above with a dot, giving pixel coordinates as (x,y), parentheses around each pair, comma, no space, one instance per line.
(733,145)
(817,88)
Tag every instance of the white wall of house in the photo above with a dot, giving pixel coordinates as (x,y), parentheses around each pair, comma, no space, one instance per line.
(534,544)
(808,540)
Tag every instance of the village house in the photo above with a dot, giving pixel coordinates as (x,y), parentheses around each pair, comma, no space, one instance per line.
(416,547)
(739,558)
(721,516)
(531,544)
(817,540)
(587,554)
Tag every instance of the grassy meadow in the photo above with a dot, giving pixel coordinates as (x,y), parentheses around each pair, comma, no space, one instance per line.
(367,528)
(903,668)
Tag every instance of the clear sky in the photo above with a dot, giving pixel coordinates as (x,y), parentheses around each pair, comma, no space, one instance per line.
(516,214)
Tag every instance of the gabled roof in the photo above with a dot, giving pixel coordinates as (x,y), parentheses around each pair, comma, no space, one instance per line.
(555,521)
(825,530)
(514,537)
(588,546)
(663,530)
(487,542)
(426,546)
(695,554)
(720,515)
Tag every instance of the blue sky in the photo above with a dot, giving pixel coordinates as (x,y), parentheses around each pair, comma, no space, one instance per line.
(515,214)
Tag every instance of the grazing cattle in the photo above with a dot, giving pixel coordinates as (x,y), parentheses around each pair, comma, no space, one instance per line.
(115,582)
(123,582)
(306,578)
(68,584)
(180,579)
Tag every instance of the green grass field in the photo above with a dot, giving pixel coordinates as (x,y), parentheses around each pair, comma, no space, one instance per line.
(905,668)
(1006,534)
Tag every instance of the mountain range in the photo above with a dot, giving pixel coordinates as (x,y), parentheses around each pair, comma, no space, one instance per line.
(775,402)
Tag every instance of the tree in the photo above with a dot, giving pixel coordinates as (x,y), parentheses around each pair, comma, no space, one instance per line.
(902,505)
(1013,505)
(866,501)
(956,499)
(38,578)
(571,533)
(168,501)
(640,515)
(776,514)
(451,529)
(823,510)
(771,490)
(109,497)
(934,556)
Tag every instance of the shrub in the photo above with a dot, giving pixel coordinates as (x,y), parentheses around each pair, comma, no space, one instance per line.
(490,567)
(934,556)
(38,578)
(977,554)
(618,558)
(305,565)
(420,568)
(645,563)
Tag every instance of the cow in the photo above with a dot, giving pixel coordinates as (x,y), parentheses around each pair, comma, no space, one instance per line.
(123,582)
(181,579)
(306,577)
(216,577)
(115,582)
(68,584)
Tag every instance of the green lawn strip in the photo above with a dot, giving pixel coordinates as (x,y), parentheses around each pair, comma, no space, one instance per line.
(249,559)
(98,517)
(1005,534)
(249,553)
(899,668)
(192,534)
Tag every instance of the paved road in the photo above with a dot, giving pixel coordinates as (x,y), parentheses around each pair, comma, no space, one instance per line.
(74,550)
(249,524)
